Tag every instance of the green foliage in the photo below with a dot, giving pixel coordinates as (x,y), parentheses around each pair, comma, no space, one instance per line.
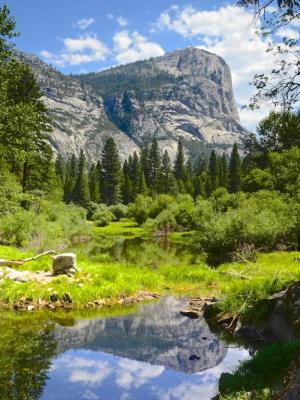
(138,78)
(160,203)
(262,220)
(103,215)
(81,192)
(258,179)
(285,170)
(266,369)
(44,226)
(140,209)
(280,131)
(110,173)
(234,170)
(119,211)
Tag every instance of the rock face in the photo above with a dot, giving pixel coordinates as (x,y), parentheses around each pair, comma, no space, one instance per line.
(78,117)
(184,94)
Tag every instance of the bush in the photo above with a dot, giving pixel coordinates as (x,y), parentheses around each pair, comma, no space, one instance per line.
(119,211)
(103,216)
(183,211)
(140,209)
(263,220)
(44,225)
(258,179)
(160,203)
(164,222)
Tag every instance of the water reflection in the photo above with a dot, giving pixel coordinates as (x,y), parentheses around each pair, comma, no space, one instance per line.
(154,353)
(138,251)
(157,334)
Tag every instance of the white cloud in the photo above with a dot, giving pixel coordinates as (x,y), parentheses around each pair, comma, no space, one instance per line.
(131,47)
(84,49)
(230,33)
(288,33)
(110,16)
(133,373)
(84,23)
(122,21)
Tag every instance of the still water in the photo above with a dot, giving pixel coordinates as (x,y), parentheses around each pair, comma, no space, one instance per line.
(152,353)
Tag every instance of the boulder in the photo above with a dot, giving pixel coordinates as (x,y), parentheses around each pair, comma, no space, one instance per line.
(198,308)
(64,264)
(284,320)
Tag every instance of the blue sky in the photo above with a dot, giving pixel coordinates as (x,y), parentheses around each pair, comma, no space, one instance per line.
(89,35)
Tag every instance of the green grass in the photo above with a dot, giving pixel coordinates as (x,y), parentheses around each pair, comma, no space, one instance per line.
(100,278)
(121,228)
(264,371)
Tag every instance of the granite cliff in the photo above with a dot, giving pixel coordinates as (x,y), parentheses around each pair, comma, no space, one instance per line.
(184,94)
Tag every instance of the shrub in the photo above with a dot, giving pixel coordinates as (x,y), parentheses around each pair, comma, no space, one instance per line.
(140,209)
(183,211)
(103,216)
(44,225)
(258,179)
(164,222)
(262,220)
(160,203)
(119,210)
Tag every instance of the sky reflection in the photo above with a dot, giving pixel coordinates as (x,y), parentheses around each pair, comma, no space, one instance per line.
(91,375)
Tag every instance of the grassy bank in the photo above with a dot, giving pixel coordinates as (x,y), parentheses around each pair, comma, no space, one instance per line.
(101,278)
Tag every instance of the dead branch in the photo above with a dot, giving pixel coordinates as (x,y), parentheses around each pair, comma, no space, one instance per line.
(13,263)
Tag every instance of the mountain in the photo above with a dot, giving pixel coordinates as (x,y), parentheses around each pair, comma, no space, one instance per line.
(184,94)
(77,113)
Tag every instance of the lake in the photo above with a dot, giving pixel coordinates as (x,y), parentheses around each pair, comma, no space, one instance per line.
(152,352)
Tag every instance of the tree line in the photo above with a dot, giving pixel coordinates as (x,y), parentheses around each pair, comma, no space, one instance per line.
(149,173)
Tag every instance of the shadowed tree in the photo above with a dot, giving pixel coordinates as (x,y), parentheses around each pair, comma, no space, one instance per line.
(235,170)
(110,173)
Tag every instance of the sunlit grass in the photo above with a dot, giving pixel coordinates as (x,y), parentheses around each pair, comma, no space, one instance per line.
(101,278)
(121,228)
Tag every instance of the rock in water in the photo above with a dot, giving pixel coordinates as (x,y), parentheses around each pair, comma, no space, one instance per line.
(64,264)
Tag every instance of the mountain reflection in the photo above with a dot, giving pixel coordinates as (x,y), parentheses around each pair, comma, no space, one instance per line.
(156,334)
(153,354)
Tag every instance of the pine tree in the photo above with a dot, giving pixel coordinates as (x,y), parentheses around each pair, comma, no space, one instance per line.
(127,186)
(142,186)
(81,193)
(166,184)
(179,167)
(60,169)
(94,182)
(213,169)
(234,170)
(110,173)
(71,171)
(224,171)
(200,186)
(188,186)
(144,161)
(154,167)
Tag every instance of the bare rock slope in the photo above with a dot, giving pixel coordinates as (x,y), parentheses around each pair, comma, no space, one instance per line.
(184,94)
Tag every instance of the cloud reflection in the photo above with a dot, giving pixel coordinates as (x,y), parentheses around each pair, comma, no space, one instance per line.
(136,373)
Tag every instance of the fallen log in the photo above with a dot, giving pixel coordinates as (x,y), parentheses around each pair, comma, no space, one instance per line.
(13,263)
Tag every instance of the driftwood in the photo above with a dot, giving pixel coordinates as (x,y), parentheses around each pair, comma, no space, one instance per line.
(13,263)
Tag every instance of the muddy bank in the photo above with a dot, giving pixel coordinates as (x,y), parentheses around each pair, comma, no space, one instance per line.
(65,301)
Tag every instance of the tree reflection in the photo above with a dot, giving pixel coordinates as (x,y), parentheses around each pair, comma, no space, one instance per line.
(26,349)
